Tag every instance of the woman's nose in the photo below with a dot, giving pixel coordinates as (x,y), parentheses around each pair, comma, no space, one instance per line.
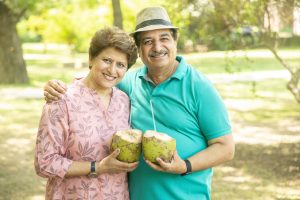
(112,68)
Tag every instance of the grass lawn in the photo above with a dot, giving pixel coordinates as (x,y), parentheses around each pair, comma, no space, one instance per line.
(264,115)
(18,128)
(267,134)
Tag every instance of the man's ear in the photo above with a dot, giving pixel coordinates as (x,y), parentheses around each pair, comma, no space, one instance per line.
(139,52)
(178,35)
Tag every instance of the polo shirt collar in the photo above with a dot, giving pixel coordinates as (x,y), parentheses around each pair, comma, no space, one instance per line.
(179,74)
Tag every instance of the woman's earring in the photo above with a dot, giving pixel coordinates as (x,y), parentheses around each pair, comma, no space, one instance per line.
(90,66)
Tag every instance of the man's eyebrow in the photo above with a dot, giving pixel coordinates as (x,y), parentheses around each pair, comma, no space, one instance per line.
(145,38)
(164,34)
(161,35)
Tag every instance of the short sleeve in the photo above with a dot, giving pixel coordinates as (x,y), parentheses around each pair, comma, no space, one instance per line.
(212,114)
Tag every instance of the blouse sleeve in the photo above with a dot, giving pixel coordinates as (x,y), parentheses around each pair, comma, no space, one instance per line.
(52,140)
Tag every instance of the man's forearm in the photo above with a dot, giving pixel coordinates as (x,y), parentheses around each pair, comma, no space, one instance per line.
(220,150)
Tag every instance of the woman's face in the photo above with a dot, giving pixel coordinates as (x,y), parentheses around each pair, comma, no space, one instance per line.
(108,68)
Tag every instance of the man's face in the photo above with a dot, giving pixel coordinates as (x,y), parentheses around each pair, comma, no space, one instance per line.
(158,48)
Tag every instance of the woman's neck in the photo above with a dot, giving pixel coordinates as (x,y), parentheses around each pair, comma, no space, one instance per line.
(102,92)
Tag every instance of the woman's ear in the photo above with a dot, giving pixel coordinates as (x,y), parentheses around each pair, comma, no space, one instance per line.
(90,64)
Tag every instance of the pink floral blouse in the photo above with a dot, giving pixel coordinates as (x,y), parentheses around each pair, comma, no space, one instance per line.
(78,128)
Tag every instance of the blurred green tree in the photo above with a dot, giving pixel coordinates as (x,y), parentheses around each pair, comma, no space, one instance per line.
(236,24)
(51,20)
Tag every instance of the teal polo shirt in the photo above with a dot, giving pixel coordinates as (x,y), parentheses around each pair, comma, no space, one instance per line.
(188,108)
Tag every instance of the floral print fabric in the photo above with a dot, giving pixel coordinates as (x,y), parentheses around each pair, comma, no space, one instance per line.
(79,128)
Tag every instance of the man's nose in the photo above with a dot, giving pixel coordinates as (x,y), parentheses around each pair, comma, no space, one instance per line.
(157,46)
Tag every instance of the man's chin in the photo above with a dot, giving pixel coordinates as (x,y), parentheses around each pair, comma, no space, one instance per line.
(161,61)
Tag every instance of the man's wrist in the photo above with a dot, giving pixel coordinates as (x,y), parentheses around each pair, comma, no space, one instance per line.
(188,167)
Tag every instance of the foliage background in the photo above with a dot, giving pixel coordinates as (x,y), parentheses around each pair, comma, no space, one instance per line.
(216,24)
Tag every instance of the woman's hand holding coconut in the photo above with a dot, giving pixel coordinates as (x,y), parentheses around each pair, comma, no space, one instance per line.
(110,164)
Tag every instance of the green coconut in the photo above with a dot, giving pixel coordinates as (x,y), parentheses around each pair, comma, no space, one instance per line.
(158,145)
(129,143)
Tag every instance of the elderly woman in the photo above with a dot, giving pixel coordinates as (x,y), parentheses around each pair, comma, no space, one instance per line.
(72,147)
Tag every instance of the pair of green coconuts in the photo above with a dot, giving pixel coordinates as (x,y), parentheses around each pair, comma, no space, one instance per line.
(153,144)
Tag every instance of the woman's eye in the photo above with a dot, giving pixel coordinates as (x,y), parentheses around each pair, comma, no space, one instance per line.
(107,61)
(122,66)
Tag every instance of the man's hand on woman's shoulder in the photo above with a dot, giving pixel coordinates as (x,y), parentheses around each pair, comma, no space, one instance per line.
(53,90)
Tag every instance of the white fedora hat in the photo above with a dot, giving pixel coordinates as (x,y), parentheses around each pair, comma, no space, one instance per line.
(152,18)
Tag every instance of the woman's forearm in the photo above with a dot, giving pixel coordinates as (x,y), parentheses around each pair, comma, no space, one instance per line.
(79,169)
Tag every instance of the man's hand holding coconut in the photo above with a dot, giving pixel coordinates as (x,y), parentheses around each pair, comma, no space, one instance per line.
(160,153)
(176,166)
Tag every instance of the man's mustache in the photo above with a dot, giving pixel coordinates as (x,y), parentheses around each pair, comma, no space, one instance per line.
(157,53)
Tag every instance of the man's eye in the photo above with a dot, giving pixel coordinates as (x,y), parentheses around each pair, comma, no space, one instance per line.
(147,42)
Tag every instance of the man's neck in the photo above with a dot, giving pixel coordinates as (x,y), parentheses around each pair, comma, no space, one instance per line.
(159,75)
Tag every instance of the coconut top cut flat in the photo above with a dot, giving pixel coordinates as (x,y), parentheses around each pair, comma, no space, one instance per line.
(132,135)
(158,135)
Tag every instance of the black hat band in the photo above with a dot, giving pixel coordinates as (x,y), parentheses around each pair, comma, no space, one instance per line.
(153,22)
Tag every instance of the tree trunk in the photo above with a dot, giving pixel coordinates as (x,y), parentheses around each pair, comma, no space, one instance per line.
(118,19)
(12,64)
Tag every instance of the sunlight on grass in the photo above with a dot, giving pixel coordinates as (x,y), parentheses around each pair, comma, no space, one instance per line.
(253,53)
(239,61)
(230,180)
(37,197)
(18,130)
(263,135)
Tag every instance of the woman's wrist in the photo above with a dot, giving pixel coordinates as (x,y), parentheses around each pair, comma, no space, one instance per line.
(99,168)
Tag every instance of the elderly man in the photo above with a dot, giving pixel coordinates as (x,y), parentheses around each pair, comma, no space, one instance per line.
(172,97)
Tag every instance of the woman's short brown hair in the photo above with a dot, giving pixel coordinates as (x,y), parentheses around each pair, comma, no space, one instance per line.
(113,37)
